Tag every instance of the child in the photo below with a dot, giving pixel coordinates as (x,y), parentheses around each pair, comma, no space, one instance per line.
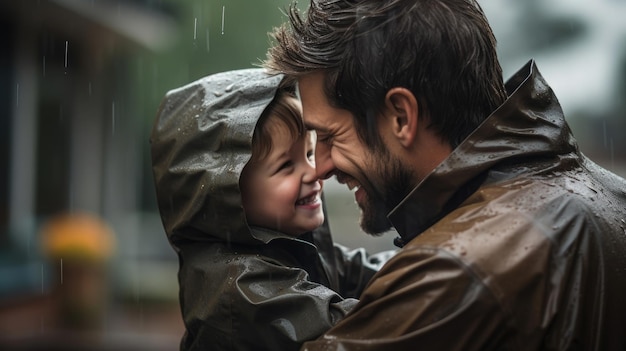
(258,268)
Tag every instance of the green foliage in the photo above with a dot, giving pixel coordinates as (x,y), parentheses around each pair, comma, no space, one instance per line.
(214,36)
(200,49)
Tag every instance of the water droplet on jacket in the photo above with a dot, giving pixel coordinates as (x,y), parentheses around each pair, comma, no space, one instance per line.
(217,93)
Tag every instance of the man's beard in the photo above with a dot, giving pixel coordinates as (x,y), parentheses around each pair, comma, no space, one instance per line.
(396,184)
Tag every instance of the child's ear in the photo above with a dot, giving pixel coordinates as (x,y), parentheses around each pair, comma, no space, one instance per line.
(403,114)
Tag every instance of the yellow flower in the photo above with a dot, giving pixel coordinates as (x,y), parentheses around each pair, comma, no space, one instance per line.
(78,236)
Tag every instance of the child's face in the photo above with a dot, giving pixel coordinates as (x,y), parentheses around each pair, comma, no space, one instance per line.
(281,191)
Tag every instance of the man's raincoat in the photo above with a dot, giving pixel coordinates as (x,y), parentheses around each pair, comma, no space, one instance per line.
(241,288)
(516,241)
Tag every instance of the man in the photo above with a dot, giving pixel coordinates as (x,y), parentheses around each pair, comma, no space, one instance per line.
(511,238)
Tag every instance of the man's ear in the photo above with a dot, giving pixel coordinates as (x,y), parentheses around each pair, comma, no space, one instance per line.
(403,111)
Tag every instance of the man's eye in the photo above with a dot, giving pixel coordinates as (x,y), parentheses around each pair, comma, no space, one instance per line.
(325,139)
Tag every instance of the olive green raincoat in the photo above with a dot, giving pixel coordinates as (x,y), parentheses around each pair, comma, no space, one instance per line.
(516,241)
(241,288)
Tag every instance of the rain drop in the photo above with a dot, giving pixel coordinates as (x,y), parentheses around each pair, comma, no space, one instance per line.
(223,10)
(66,45)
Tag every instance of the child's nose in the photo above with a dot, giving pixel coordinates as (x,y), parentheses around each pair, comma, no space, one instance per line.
(310,173)
(323,162)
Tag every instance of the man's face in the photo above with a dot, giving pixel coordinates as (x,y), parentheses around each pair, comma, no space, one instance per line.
(377,178)
(281,191)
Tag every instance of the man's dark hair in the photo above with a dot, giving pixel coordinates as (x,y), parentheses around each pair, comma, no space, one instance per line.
(443,51)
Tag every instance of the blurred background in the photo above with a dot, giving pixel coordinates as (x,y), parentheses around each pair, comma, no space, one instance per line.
(84,261)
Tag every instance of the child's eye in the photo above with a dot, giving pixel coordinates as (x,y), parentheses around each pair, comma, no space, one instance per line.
(310,155)
(285,165)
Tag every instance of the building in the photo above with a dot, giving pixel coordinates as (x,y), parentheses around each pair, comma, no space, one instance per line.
(71,137)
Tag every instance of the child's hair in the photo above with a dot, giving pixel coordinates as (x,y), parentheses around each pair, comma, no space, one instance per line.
(287,111)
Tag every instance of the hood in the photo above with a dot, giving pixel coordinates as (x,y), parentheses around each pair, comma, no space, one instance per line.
(200,142)
(529,123)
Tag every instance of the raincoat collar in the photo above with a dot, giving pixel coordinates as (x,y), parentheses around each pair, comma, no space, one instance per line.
(266,235)
(529,123)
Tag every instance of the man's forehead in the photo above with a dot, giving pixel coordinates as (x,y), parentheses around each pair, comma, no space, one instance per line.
(315,78)
(313,82)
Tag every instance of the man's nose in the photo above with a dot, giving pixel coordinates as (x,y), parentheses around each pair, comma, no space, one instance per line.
(324,165)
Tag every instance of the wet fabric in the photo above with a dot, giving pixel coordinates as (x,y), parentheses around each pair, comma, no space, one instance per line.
(516,241)
(241,288)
